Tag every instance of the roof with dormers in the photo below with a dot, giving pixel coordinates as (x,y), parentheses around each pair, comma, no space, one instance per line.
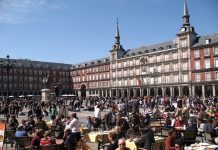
(91,63)
(37,64)
(201,40)
(152,48)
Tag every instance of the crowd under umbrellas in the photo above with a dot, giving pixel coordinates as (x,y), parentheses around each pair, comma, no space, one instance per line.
(133,119)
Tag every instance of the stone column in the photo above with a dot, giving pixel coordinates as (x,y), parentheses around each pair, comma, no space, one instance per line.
(148,91)
(171,91)
(163,93)
(179,90)
(193,90)
(214,89)
(203,91)
(190,90)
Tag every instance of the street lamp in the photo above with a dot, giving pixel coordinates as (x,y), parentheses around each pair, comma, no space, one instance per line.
(7,64)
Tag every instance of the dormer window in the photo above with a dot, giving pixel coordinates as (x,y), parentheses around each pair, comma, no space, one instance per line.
(169,46)
(127,55)
(207,41)
(153,49)
(99,61)
(92,63)
(147,51)
(160,48)
(139,53)
(133,54)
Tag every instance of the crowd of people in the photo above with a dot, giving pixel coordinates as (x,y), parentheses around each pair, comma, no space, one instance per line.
(127,117)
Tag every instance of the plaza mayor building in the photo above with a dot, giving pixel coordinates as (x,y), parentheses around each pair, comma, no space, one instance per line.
(186,65)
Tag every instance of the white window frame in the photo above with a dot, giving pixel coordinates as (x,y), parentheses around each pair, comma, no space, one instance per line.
(197,64)
(207,63)
(196,53)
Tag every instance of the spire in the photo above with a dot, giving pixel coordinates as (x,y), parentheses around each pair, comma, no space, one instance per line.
(186,15)
(117,36)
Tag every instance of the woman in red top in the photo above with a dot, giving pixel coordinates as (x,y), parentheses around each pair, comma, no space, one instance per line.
(170,140)
(180,122)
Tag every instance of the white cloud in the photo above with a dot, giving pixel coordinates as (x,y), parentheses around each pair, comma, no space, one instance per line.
(14,11)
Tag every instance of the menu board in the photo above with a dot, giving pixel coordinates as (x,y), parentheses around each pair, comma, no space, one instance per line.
(2,133)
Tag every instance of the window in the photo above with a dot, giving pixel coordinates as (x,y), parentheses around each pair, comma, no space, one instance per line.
(158,58)
(167,68)
(175,67)
(185,66)
(215,50)
(197,64)
(183,43)
(175,78)
(174,55)
(207,76)
(184,54)
(159,79)
(216,75)
(216,62)
(196,54)
(158,68)
(206,52)
(166,57)
(167,79)
(197,77)
(185,78)
(207,63)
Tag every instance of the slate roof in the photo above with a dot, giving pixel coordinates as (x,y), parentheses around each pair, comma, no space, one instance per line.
(91,63)
(201,40)
(152,48)
(38,64)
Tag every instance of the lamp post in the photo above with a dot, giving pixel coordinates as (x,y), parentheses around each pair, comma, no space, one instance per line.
(8,65)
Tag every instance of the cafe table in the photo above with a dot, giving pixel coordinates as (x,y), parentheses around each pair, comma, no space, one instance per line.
(130,143)
(201,146)
(95,136)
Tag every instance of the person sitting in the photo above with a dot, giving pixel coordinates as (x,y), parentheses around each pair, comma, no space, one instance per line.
(122,126)
(179,144)
(89,123)
(41,124)
(147,139)
(21,132)
(48,139)
(122,145)
(70,141)
(12,123)
(113,141)
(35,143)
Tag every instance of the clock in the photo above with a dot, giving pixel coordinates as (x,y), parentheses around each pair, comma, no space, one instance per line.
(183,29)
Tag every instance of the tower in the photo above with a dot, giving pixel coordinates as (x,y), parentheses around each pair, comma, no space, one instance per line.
(117,49)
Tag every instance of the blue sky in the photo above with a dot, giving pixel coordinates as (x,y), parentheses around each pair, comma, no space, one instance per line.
(74,31)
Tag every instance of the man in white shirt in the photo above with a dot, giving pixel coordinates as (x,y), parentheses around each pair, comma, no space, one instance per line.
(97,112)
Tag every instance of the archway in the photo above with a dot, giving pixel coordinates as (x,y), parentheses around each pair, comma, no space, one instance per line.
(159,92)
(168,91)
(176,91)
(125,93)
(208,90)
(113,93)
(152,92)
(198,91)
(131,93)
(145,92)
(185,91)
(119,93)
(83,90)
(138,92)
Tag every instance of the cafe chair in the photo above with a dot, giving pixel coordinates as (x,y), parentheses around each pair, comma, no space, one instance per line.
(156,146)
(49,147)
(9,138)
(208,137)
(23,143)
(103,141)
(189,137)
(164,132)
